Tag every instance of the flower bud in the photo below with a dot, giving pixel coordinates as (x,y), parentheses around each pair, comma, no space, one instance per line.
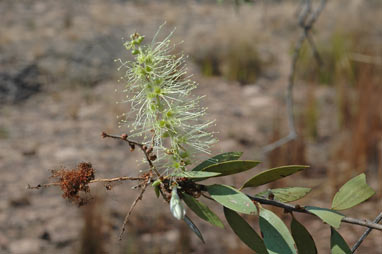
(176,207)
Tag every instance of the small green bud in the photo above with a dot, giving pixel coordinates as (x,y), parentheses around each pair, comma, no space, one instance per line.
(157,90)
(156,183)
(183,155)
(140,39)
(169,114)
(156,186)
(162,123)
(157,191)
(148,68)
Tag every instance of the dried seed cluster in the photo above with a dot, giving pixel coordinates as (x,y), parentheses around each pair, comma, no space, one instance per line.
(75,180)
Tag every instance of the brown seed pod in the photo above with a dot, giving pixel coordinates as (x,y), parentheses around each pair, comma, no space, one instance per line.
(153,157)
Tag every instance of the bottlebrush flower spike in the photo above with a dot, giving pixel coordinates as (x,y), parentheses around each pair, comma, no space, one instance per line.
(164,113)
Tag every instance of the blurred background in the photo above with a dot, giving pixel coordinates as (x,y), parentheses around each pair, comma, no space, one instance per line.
(57,94)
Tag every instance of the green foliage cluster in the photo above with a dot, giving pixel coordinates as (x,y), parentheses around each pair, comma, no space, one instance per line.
(275,236)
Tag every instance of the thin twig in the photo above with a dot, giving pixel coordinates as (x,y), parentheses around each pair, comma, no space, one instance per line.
(306,23)
(39,186)
(132,208)
(133,143)
(365,234)
(313,46)
(207,197)
(100,180)
(116,179)
(299,209)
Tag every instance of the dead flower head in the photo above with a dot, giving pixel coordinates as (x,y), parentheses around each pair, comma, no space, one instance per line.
(75,180)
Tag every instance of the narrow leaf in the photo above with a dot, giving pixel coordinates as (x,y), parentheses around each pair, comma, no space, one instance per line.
(352,193)
(338,244)
(232,198)
(245,232)
(231,167)
(271,175)
(202,210)
(218,158)
(196,174)
(329,216)
(304,241)
(277,238)
(157,191)
(193,227)
(288,194)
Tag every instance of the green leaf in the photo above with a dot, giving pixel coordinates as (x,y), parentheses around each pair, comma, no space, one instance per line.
(272,174)
(245,232)
(196,174)
(232,198)
(304,241)
(338,244)
(287,194)
(156,186)
(193,227)
(276,235)
(352,193)
(157,191)
(329,216)
(231,167)
(202,210)
(218,158)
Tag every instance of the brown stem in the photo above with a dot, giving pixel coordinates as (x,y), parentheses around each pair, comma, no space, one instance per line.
(134,143)
(100,180)
(132,207)
(299,209)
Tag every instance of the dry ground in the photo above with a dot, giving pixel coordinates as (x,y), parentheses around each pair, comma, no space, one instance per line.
(71,46)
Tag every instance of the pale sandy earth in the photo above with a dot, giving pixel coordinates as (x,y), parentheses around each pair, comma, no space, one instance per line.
(75,43)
